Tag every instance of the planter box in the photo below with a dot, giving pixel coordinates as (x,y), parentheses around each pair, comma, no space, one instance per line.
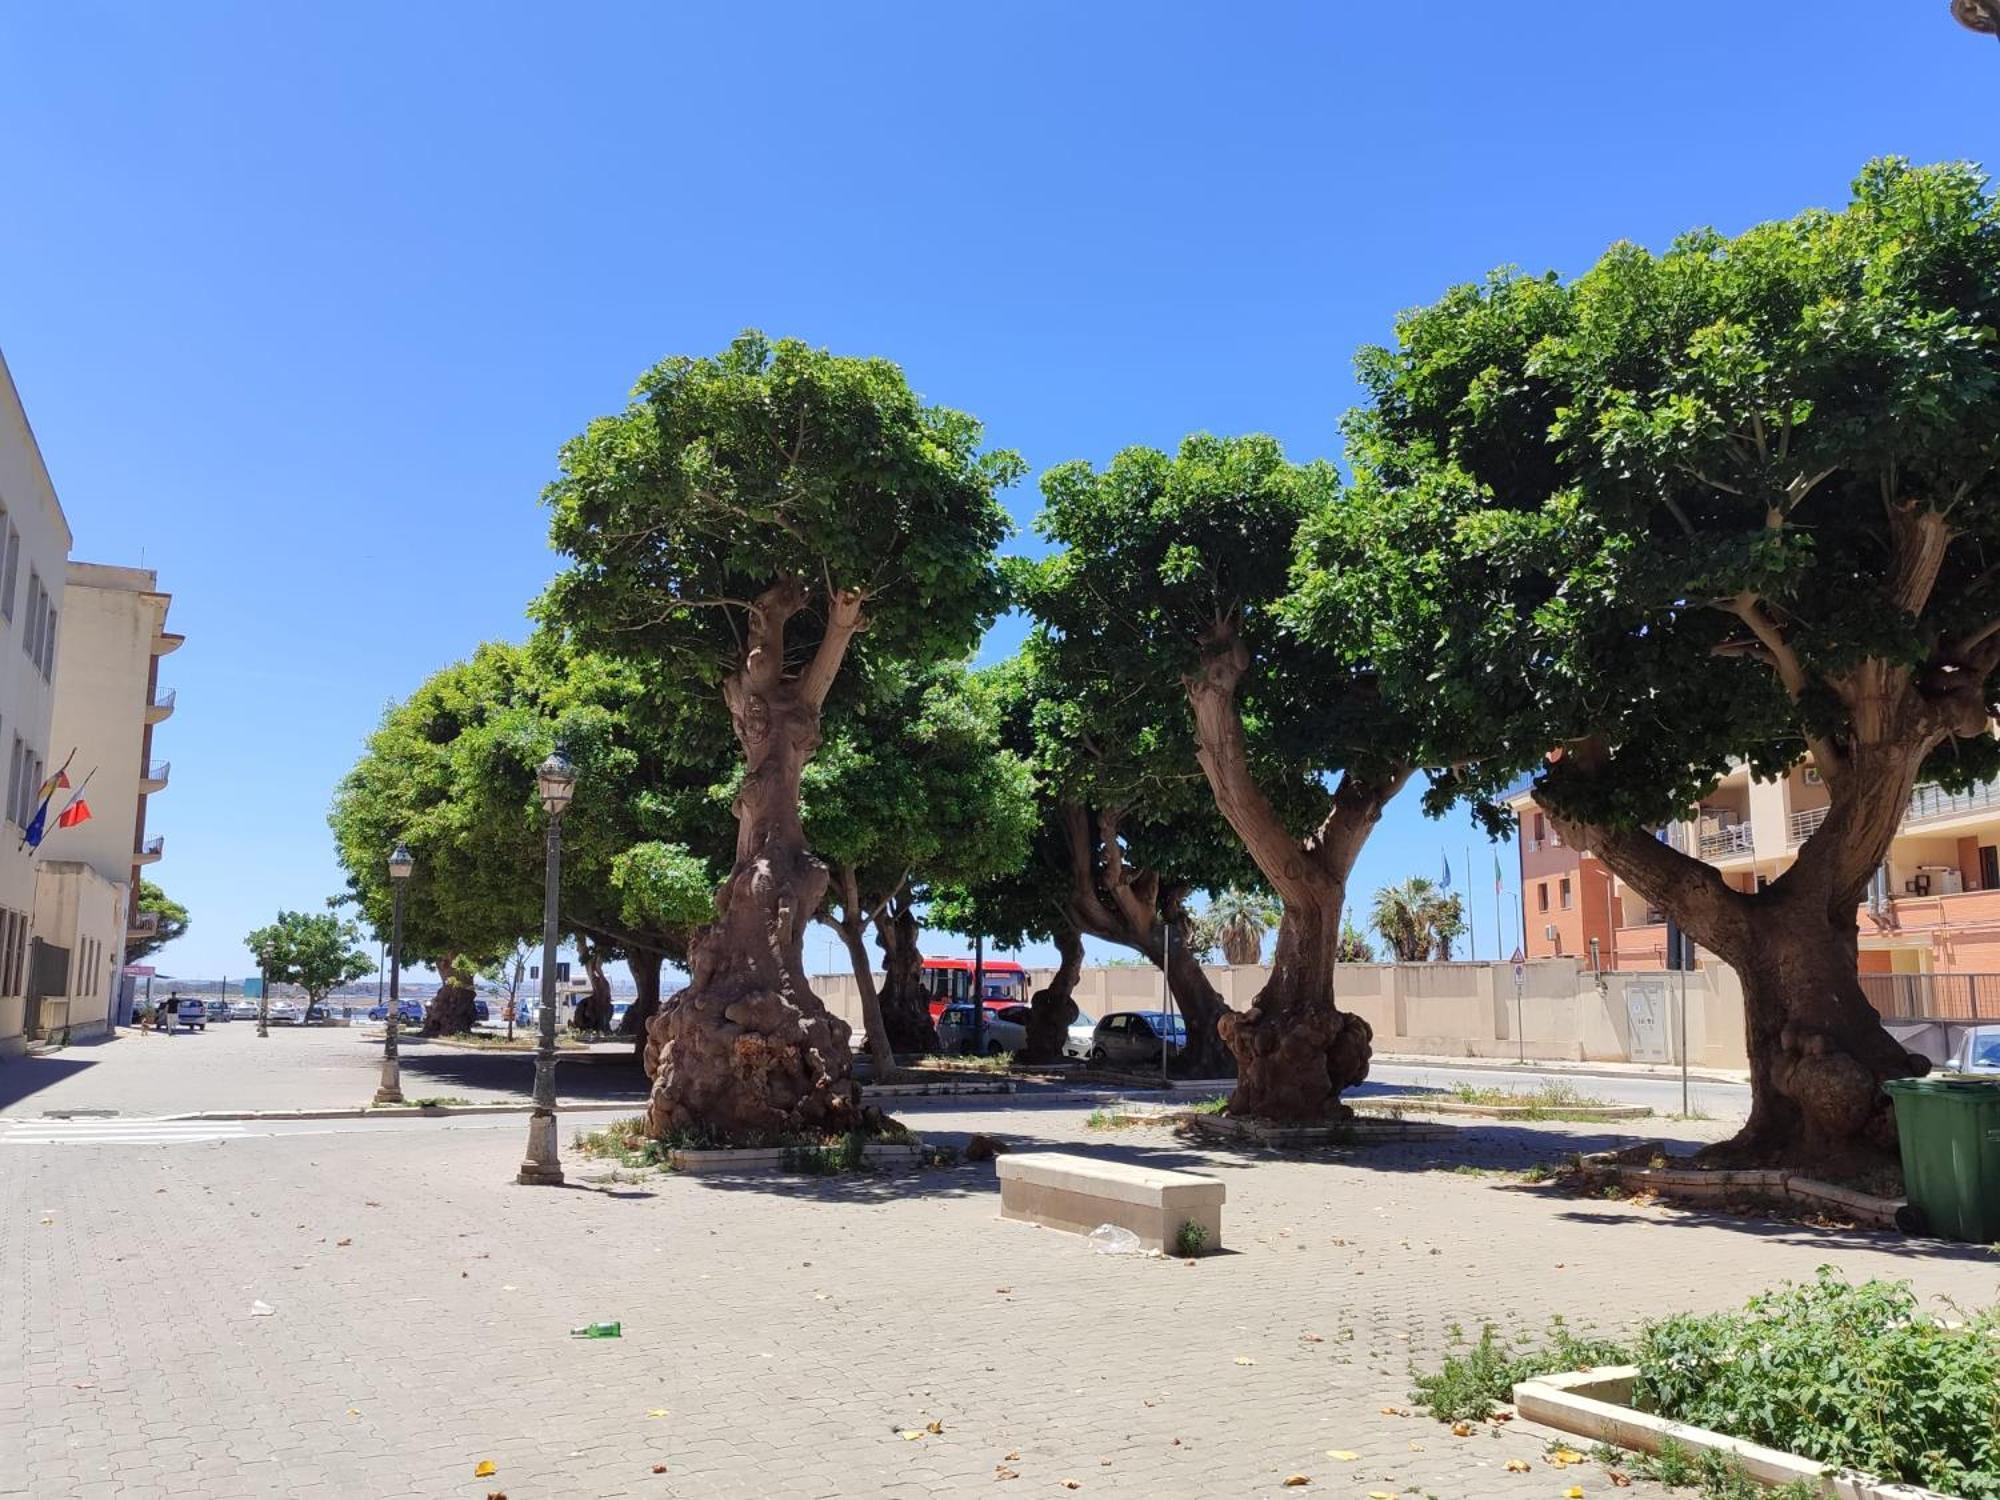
(1584,1113)
(1692,1184)
(1356,1132)
(1596,1404)
(772,1158)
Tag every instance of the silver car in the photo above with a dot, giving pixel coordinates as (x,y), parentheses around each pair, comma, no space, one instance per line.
(1978,1051)
(1133,1036)
(1006,1030)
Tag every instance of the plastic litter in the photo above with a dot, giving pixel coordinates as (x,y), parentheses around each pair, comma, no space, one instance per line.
(598,1331)
(261,1309)
(1110,1239)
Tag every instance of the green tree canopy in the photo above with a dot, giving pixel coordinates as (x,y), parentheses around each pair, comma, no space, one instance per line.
(314,950)
(747,523)
(170,920)
(1731,503)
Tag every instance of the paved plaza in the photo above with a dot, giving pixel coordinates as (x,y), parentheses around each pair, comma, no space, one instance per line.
(782,1334)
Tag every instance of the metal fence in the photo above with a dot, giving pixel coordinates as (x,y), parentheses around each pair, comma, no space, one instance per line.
(1934,997)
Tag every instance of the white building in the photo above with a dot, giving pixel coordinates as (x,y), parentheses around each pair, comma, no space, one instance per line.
(34,549)
(107,701)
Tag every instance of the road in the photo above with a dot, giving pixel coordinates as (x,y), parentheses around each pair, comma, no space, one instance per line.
(1659,1092)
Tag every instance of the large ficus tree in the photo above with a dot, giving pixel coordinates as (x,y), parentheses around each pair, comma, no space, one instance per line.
(745,525)
(1164,607)
(911,790)
(1736,502)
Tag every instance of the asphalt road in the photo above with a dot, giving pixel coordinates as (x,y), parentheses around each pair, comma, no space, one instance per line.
(1661,1092)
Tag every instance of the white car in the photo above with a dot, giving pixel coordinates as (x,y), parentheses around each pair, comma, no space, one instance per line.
(286,1013)
(1082,1033)
(1978,1051)
(243,1010)
(177,1011)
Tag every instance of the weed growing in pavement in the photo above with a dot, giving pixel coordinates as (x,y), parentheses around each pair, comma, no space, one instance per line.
(438,1101)
(1554,1100)
(1190,1240)
(1478,1375)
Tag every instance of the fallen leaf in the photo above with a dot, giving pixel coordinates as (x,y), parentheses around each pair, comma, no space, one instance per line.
(1380,1495)
(1562,1458)
(1574,1492)
(1071,1484)
(1001,1471)
(354,1411)
(1343,1455)
(1293,1481)
(1311,1338)
(910,1434)
(1461,1429)
(659,1468)
(483,1469)
(1519,1466)
(343,1244)
(658,1411)
(1394,1411)
(1003,1290)
(1619,1478)
(1245,1360)
(935,1428)
(1014,1457)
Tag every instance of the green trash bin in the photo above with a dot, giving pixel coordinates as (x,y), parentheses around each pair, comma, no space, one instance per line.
(1949,1129)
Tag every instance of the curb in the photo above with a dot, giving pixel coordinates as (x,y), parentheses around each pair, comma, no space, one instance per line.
(1421,1104)
(1693,1184)
(398,1112)
(1559,1065)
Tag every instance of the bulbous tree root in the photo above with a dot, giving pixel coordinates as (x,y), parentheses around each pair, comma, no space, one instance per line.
(741,1064)
(1820,1104)
(450,1012)
(1293,1061)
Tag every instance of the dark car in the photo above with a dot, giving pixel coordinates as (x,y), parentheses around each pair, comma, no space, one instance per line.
(408,1012)
(480,1010)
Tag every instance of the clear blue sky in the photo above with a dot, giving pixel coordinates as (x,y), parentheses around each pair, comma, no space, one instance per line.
(303,299)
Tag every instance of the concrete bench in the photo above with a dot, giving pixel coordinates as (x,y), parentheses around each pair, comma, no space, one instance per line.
(1078,1193)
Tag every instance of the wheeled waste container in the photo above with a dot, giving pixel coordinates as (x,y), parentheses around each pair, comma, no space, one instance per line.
(1949,1129)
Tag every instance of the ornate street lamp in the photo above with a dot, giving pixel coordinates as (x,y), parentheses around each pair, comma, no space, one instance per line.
(556,780)
(391,1089)
(1978,15)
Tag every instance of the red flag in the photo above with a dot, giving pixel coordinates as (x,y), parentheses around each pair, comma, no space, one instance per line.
(77,812)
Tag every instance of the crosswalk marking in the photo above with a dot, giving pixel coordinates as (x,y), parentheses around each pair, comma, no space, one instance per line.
(102,1132)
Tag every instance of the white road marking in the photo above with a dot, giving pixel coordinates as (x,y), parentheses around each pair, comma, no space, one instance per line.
(102,1132)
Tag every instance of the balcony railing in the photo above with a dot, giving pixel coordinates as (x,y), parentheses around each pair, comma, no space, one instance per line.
(154,777)
(1802,825)
(151,850)
(1930,803)
(143,923)
(1934,997)
(1722,843)
(160,707)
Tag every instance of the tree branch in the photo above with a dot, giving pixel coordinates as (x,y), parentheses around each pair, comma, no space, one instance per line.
(843,622)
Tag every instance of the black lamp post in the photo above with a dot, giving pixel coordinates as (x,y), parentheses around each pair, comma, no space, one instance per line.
(391,1090)
(556,780)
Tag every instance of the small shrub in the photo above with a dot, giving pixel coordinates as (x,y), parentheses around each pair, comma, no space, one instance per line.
(1477,1376)
(1219,1105)
(1190,1240)
(1098,1120)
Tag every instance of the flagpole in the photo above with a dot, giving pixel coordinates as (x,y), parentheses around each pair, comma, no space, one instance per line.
(1471,917)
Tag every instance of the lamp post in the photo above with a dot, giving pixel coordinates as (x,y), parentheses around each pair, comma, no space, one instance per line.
(263,995)
(391,1089)
(556,780)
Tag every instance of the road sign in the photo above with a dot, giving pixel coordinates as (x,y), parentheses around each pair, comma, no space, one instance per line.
(1520,973)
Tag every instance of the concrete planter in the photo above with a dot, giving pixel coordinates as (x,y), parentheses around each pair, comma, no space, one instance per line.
(772,1158)
(1693,1185)
(942,1086)
(1356,1132)
(1597,1404)
(1423,1104)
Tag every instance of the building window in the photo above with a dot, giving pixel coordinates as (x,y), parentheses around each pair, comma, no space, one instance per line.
(1565,894)
(31,634)
(1541,831)
(1542,896)
(14,788)
(1989,867)
(11,563)
(49,646)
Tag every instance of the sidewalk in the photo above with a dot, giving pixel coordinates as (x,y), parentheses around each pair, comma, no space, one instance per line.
(1556,1065)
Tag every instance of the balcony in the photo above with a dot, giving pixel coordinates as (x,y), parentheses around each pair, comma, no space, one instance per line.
(161,707)
(150,851)
(1639,947)
(154,777)
(1802,825)
(167,642)
(142,924)
(1727,843)
(1931,803)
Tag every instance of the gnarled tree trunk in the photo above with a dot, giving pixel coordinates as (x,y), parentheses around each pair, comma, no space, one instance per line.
(450,1012)
(906,1004)
(848,921)
(1201,1006)
(645,965)
(1052,1008)
(1295,1048)
(748,1048)
(593,1011)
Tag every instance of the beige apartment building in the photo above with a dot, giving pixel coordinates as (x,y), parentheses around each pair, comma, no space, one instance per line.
(1934,908)
(108,702)
(34,547)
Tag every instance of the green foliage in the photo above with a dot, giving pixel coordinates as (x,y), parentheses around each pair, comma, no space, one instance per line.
(1479,1375)
(172,921)
(661,885)
(313,950)
(1354,945)
(772,462)
(1418,920)
(1564,493)
(1190,1240)
(1855,1376)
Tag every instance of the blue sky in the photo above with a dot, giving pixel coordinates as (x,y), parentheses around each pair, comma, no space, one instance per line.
(302,300)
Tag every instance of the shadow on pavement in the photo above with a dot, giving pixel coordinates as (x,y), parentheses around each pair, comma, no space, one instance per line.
(1785,1231)
(23,1077)
(618,1080)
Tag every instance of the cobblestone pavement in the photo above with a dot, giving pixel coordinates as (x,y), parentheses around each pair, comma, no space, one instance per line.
(296,1067)
(780,1334)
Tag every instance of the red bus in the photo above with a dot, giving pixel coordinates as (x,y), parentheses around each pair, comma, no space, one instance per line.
(949,979)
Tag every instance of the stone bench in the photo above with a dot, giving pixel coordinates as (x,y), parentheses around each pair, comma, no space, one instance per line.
(1078,1193)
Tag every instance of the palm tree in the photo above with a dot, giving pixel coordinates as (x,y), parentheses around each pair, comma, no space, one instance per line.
(1446,918)
(1235,922)
(1417,920)
(1354,946)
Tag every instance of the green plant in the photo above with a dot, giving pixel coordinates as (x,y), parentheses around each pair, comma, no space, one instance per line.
(1541,1171)
(1217,1106)
(1190,1240)
(1856,1376)
(438,1101)
(1477,1376)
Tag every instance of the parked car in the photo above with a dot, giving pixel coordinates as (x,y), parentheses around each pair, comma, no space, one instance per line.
(481,1011)
(618,1010)
(217,1010)
(1133,1037)
(286,1013)
(243,1010)
(183,1010)
(1082,1033)
(1978,1051)
(1006,1029)
(408,1012)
